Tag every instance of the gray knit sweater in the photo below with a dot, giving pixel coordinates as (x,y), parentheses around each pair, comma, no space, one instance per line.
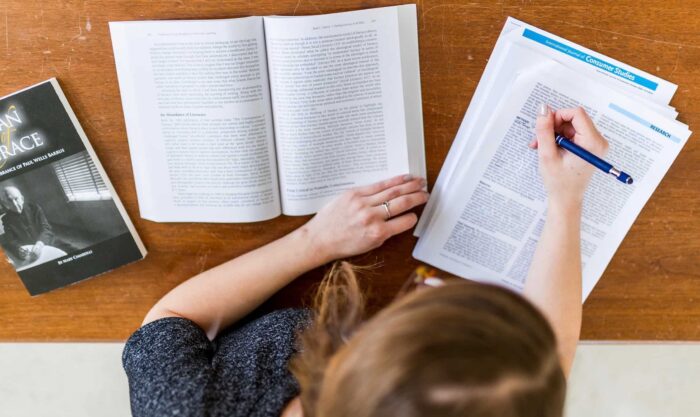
(174,370)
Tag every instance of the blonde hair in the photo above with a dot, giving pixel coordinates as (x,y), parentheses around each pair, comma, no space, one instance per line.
(465,349)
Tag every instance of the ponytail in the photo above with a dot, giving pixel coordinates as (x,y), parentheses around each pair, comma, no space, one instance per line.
(339,307)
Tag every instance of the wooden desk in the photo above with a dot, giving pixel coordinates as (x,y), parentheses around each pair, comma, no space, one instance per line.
(651,290)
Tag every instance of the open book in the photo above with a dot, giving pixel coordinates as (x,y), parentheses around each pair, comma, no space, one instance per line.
(486,220)
(242,120)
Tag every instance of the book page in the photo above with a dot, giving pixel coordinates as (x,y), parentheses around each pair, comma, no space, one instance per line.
(338,103)
(197,107)
(490,228)
(412,99)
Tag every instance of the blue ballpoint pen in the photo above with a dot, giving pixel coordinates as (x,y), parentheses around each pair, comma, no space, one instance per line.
(593,160)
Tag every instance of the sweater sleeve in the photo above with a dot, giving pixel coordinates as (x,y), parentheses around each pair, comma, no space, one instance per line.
(168,364)
(174,370)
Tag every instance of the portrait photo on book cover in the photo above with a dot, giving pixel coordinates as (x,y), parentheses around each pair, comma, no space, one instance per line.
(56,210)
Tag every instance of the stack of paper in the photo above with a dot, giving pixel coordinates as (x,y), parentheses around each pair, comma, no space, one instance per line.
(487,208)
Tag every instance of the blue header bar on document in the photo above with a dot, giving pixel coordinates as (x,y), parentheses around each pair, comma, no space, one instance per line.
(643,122)
(590,59)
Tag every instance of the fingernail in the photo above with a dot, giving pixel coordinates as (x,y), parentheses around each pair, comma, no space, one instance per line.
(423,182)
(543,110)
(434,282)
(407,177)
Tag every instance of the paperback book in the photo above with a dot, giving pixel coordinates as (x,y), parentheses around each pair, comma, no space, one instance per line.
(60,218)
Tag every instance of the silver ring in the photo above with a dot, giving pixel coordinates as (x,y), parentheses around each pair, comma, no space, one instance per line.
(386,208)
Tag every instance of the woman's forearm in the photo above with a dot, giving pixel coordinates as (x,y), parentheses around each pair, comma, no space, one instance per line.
(352,223)
(554,279)
(224,294)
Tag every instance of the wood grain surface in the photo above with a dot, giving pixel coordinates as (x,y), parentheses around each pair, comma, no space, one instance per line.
(651,290)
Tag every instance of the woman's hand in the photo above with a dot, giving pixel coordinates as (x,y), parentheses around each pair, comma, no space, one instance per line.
(554,280)
(564,174)
(356,222)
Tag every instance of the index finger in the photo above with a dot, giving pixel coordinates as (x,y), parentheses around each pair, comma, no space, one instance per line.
(586,134)
(577,117)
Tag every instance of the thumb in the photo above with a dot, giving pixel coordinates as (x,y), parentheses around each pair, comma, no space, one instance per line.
(544,129)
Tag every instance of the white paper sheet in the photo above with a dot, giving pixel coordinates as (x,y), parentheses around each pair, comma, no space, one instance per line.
(489,229)
(515,53)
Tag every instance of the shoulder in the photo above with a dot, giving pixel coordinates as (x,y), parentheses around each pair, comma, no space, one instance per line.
(253,361)
(272,336)
(262,345)
(279,323)
(174,368)
(159,340)
(173,337)
(167,363)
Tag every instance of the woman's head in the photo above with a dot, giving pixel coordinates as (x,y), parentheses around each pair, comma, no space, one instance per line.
(464,349)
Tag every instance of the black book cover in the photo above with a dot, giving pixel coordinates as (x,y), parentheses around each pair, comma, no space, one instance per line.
(60,219)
